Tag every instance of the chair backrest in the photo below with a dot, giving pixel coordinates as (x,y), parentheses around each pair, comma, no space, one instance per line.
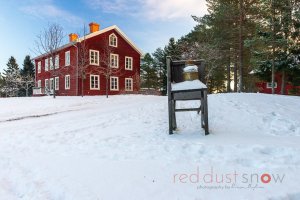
(175,70)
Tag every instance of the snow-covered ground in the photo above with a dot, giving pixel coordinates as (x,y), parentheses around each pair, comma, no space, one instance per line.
(94,148)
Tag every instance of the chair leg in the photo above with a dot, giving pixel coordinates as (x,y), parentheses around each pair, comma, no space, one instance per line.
(202,113)
(199,108)
(170,116)
(174,124)
(206,113)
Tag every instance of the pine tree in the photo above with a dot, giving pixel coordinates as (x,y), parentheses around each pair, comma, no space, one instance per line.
(27,74)
(274,48)
(12,77)
(2,85)
(159,57)
(173,50)
(148,73)
(28,67)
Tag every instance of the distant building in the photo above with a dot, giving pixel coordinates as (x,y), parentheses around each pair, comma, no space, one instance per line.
(124,57)
(266,87)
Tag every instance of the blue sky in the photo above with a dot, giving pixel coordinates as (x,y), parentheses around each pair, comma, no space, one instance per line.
(149,23)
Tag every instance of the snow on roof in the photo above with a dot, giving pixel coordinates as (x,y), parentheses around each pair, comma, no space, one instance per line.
(60,48)
(121,33)
(118,31)
(255,71)
(188,85)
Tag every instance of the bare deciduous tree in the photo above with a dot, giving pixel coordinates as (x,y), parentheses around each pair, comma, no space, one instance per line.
(82,59)
(47,43)
(105,63)
(26,83)
(106,66)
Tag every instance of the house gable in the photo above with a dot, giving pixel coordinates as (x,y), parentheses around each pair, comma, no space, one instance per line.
(120,33)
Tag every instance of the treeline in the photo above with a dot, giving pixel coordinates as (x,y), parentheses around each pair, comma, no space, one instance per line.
(16,82)
(242,41)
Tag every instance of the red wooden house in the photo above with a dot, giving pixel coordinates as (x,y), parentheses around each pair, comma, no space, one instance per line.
(124,58)
(266,87)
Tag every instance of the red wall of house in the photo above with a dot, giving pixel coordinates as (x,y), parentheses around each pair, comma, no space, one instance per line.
(123,49)
(61,72)
(96,43)
(262,86)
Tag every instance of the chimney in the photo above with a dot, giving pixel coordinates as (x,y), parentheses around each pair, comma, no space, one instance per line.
(73,37)
(94,27)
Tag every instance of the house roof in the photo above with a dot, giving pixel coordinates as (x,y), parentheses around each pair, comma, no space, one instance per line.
(114,27)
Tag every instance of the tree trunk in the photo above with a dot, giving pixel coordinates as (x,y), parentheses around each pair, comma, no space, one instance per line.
(273,71)
(241,46)
(273,47)
(228,76)
(54,88)
(283,83)
(106,87)
(235,77)
(26,89)
(81,85)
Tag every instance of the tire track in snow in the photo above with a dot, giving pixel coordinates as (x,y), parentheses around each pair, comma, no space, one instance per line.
(37,116)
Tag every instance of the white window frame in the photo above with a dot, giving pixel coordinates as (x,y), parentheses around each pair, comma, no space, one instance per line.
(46,64)
(67,58)
(56,62)
(111,85)
(47,83)
(56,83)
(39,83)
(114,57)
(131,81)
(51,63)
(51,84)
(269,84)
(131,63)
(39,67)
(95,52)
(113,43)
(67,82)
(94,76)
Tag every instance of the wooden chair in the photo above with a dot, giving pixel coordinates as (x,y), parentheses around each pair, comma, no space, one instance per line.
(175,76)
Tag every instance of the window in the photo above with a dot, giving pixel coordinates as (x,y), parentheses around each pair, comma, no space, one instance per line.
(113,40)
(39,83)
(114,60)
(269,85)
(94,82)
(47,83)
(46,64)
(56,64)
(114,83)
(67,82)
(94,57)
(56,83)
(39,66)
(51,63)
(128,84)
(51,84)
(67,58)
(128,63)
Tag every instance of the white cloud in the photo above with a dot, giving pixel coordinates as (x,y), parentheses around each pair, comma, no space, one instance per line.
(152,9)
(115,6)
(51,12)
(174,9)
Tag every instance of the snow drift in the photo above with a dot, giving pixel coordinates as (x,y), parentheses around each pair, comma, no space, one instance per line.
(119,148)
